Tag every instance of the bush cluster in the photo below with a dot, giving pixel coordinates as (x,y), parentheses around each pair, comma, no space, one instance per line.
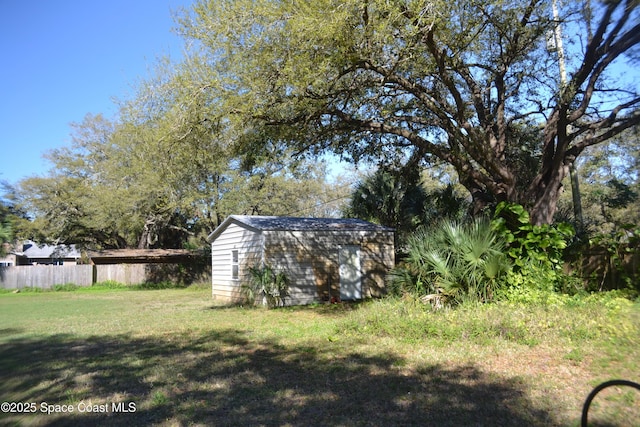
(452,263)
(505,258)
(266,286)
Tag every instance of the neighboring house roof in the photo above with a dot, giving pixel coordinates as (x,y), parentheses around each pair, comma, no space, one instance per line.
(133,256)
(283,223)
(33,250)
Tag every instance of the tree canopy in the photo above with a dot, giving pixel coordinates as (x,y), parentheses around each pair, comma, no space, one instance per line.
(6,233)
(161,174)
(268,86)
(465,83)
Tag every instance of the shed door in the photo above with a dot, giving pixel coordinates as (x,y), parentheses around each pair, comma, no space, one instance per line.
(350,273)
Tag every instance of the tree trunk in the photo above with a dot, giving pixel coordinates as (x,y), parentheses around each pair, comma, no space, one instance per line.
(480,197)
(548,193)
(577,199)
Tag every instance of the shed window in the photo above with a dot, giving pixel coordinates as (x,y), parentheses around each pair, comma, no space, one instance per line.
(235,264)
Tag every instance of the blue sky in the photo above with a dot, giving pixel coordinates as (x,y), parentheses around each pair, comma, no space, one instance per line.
(63,59)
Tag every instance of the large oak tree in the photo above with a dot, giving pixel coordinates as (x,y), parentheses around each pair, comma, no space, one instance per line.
(466,82)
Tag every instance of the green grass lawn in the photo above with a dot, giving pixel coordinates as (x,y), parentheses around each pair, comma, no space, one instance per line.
(173,357)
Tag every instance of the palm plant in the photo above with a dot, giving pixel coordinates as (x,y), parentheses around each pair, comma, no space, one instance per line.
(457,262)
(268,285)
(391,197)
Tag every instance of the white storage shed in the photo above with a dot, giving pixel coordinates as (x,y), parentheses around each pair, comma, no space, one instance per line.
(323,258)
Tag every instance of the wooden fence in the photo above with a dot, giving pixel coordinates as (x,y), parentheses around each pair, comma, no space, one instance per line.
(608,273)
(47,276)
(121,273)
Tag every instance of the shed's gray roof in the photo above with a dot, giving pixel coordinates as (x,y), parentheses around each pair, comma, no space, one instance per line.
(303,224)
(284,223)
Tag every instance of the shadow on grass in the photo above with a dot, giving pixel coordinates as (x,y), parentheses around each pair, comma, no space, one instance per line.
(227,378)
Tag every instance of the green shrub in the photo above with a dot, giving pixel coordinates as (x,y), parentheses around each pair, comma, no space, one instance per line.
(527,242)
(536,251)
(452,263)
(266,286)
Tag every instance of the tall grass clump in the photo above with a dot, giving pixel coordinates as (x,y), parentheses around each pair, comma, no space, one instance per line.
(109,284)
(65,287)
(452,262)
(606,318)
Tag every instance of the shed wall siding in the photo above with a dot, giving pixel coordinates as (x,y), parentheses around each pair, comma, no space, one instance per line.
(311,260)
(377,258)
(249,245)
